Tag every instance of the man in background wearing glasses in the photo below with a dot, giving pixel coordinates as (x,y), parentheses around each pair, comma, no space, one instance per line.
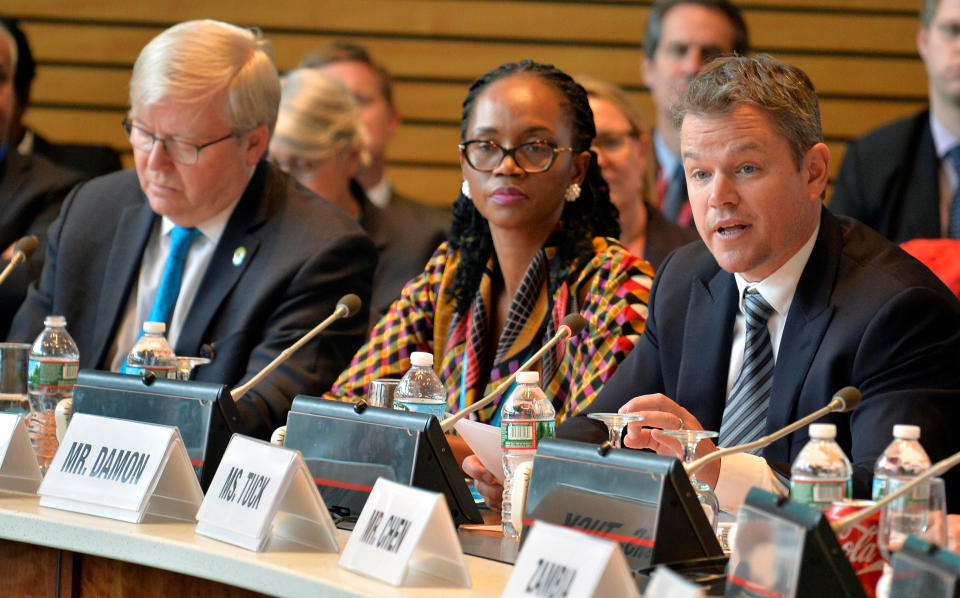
(205,235)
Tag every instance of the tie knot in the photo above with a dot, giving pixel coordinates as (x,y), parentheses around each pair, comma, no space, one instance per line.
(181,235)
(758,311)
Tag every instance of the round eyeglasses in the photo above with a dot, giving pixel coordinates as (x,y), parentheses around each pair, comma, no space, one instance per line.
(181,152)
(532,157)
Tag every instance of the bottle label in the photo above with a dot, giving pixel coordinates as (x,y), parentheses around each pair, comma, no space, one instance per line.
(52,374)
(525,434)
(819,493)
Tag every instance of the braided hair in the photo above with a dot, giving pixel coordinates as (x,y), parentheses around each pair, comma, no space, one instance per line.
(591,215)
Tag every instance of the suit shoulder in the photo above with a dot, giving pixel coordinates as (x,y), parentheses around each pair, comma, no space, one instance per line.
(113,190)
(896,136)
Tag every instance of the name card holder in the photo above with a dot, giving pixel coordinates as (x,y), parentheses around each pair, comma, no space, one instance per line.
(641,500)
(121,470)
(19,471)
(262,492)
(923,569)
(664,583)
(405,536)
(556,561)
(785,548)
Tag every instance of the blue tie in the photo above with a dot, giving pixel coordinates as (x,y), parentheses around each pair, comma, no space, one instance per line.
(180,240)
(745,416)
(953,226)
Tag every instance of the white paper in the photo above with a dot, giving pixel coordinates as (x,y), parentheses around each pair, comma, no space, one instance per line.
(484,441)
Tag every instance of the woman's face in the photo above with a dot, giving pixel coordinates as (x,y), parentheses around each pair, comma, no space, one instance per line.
(518,109)
(621,154)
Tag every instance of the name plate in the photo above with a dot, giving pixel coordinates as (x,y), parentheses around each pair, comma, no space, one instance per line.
(391,541)
(261,492)
(664,583)
(18,464)
(122,470)
(556,561)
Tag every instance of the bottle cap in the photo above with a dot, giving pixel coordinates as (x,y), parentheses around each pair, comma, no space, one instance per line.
(526,377)
(154,327)
(823,431)
(54,322)
(906,432)
(421,359)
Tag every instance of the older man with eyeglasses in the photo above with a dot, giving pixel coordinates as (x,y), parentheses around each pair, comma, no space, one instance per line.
(233,255)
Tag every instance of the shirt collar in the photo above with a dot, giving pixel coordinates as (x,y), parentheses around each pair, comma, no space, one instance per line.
(379,194)
(212,228)
(667,160)
(778,288)
(943,140)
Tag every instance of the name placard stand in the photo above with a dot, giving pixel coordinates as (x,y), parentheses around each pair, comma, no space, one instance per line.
(263,493)
(557,561)
(19,471)
(390,542)
(122,470)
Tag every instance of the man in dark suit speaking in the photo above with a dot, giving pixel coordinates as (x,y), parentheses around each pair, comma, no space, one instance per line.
(237,258)
(783,303)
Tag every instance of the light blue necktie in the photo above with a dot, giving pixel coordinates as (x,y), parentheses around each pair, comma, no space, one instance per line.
(745,416)
(180,240)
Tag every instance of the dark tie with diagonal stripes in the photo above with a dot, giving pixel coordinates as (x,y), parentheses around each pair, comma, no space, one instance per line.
(953,226)
(745,416)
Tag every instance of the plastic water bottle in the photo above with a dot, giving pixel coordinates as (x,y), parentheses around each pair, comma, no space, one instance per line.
(526,418)
(821,472)
(420,389)
(52,372)
(152,353)
(903,460)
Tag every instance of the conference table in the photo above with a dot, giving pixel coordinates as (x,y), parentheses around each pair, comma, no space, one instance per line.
(52,553)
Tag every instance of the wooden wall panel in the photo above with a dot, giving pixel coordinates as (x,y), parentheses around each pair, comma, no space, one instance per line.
(860,54)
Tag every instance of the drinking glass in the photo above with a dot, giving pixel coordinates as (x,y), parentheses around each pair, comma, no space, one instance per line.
(615,423)
(689,439)
(921,512)
(185,366)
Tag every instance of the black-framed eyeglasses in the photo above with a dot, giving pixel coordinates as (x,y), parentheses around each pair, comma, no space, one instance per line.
(531,157)
(181,152)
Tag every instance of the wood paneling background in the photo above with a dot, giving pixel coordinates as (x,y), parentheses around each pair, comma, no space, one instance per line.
(860,54)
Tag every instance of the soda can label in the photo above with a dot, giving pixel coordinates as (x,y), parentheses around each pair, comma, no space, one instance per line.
(860,542)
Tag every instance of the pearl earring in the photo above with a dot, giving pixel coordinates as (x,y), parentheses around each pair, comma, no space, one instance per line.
(465,189)
(572,192)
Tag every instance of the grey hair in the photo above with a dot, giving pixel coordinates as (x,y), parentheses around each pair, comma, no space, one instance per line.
(784,91)
(318,117)
(928,8)
(195,60)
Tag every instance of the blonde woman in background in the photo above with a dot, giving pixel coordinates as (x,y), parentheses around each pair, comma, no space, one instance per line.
(320,141)
(623,150)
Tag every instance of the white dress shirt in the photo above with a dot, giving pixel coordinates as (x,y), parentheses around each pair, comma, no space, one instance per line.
(379,194)
(152,264)
(739,473)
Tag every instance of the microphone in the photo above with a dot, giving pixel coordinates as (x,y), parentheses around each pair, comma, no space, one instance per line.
(846,399)
(346,307)
(21,251)
(935,470)
(570,326)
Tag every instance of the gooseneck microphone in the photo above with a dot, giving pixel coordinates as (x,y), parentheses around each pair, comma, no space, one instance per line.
(21,251)
(845,399)
(346,307)
(570,326)
(935,470)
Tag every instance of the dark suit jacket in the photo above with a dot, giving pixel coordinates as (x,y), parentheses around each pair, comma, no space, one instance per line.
(663,236)
(864,314)
(92,160)
(31,191)
(890,181)
(302,255)
(404,245)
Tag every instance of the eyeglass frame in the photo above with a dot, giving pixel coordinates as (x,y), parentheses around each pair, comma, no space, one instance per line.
(512,152)
(128,126)
(630,133)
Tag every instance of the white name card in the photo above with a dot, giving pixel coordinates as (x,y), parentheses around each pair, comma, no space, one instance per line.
(122,470)
(405,535)
(18,464)
(261,492)
(664,583)
(558,562)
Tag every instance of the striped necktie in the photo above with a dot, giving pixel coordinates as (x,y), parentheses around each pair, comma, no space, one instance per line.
(745,416)
(953,226)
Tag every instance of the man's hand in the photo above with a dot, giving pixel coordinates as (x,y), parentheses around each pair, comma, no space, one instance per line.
(662,413)
(487,484)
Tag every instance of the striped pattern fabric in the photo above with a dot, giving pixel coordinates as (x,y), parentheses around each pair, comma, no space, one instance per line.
(610,291)
(745,415)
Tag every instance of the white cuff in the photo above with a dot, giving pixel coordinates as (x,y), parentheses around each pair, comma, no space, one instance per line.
(740,472)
